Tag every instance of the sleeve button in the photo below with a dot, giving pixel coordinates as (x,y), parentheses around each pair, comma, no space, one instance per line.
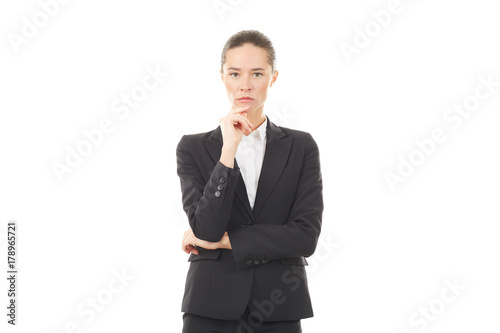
(217,194)
(264,261)
(220,187)
(256,261)
(248,262)
(222,180)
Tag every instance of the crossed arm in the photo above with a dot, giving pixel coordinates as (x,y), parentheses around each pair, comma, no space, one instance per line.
(190,240)
(209,213)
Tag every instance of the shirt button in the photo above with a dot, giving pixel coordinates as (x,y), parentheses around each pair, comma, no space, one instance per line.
(220,187)
(222,180)
(248,262)
(217,194)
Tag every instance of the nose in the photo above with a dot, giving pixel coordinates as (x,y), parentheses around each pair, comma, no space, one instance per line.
(245,84)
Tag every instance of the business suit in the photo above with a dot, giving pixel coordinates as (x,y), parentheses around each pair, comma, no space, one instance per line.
(264,271)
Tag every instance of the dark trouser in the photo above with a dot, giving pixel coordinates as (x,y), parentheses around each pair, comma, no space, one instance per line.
(244,324)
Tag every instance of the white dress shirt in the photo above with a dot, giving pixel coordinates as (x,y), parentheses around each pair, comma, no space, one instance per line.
(250,156)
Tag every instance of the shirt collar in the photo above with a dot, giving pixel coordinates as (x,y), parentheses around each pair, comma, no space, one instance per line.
(260,132)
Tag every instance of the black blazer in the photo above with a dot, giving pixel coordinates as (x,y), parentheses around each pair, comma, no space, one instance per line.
(265,268)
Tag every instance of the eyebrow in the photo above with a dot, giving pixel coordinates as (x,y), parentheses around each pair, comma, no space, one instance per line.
(238,69)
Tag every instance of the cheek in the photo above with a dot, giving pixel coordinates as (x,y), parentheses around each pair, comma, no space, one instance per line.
(229,88)
(263,91)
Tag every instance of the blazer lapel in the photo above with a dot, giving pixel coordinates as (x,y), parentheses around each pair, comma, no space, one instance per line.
(276,154)
(241,193)
(278,147)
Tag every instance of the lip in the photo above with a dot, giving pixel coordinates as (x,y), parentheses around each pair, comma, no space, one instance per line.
(245,99)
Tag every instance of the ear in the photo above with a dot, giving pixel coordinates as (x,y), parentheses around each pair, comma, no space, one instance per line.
(273,80)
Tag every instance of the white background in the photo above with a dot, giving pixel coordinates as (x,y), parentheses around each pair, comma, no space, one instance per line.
(384,254)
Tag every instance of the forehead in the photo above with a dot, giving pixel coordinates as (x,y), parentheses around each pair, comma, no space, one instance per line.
(246,56)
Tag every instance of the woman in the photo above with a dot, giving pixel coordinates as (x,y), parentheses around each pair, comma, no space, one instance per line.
(252,192)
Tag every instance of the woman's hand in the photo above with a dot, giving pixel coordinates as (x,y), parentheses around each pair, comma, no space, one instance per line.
(190,240)
(233,125)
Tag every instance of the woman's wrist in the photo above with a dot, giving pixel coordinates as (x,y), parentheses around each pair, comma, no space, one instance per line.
(224,242)
(227,156)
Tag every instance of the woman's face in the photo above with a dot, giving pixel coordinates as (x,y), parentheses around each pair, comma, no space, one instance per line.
(246,73)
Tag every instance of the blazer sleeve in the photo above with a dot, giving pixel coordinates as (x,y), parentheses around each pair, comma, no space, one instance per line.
(207,204)
(299,236)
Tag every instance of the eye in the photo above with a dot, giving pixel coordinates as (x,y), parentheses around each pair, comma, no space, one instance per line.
(232,74)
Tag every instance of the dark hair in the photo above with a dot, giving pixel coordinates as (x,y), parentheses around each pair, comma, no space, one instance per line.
(254,37)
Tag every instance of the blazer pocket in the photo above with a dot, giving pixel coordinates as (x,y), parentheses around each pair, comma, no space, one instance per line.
(205,254)
(294,261)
